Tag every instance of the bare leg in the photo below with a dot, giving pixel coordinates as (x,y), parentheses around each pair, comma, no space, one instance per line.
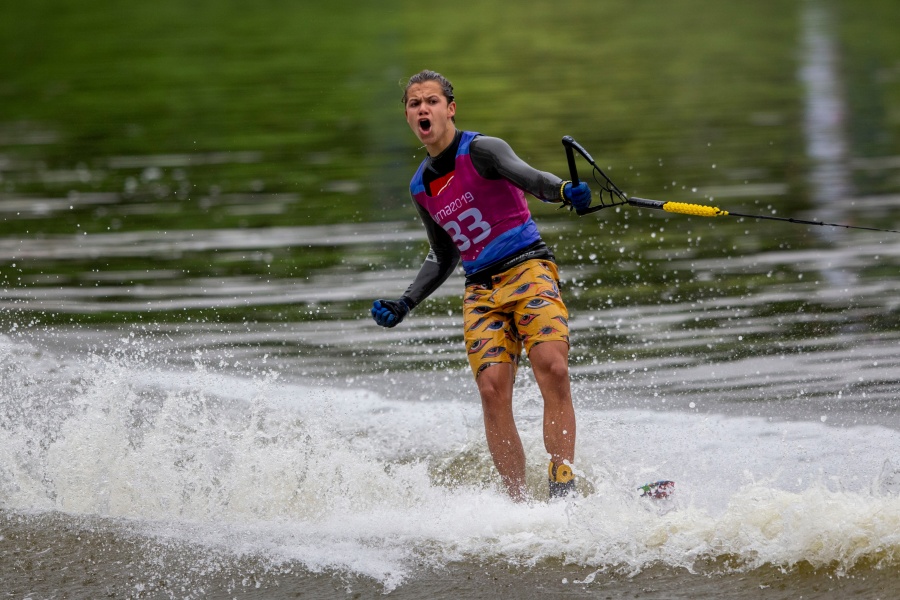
(550,363)
(495,384)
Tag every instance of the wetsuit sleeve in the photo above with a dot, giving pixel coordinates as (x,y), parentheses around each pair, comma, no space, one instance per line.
(493,158)
(442,258)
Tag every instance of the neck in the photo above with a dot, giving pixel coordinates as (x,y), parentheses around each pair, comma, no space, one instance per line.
(435,149)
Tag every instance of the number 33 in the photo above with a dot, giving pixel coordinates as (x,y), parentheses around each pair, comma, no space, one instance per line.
(476,225)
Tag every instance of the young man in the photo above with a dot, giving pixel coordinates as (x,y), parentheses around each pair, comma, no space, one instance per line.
(469,192)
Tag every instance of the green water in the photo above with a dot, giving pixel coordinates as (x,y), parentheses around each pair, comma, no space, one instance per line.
(153,119)
(301,100)
(162,117)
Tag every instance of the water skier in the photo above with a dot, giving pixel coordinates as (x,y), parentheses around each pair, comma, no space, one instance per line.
(470,194)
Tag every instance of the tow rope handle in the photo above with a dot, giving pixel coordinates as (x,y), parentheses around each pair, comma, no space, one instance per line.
(697,210)
(610,195)
(571,145)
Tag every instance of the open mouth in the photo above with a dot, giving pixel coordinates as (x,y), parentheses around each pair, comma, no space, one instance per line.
(425,125)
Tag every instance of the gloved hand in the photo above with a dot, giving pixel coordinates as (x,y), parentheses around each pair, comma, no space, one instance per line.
(389,313)
(579,195)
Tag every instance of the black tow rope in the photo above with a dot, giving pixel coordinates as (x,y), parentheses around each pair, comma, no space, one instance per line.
(610,195)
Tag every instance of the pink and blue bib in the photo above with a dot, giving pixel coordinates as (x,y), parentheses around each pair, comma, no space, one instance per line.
(488,219)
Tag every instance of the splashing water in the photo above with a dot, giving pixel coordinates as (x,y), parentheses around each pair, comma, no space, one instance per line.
(347,480)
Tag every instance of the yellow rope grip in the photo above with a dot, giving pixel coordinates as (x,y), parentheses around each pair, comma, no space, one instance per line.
(560,473)
(698,210)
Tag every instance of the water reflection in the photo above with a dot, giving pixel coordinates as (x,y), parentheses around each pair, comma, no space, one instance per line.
(824,128)
(156,244)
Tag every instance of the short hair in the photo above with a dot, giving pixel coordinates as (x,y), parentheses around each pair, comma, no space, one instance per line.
(426,75)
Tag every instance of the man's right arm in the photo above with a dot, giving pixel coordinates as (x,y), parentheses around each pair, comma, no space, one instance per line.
(439,264)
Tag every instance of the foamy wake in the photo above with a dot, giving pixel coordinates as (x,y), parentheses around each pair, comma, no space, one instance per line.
(347,480)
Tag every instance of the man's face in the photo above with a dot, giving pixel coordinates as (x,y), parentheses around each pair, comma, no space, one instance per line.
(429,115)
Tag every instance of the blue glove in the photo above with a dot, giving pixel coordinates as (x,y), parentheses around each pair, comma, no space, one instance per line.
(579,195)
(389,313)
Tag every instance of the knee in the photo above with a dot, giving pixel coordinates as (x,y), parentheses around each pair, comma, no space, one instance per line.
(550,359)
(496,380)
(493,400)
(496,398)
(555,370)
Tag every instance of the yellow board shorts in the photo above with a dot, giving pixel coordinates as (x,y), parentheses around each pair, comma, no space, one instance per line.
(521,307)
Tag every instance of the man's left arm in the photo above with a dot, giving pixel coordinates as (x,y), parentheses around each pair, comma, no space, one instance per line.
(493,158)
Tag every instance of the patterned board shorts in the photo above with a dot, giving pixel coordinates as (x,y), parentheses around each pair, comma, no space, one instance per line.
(520,308)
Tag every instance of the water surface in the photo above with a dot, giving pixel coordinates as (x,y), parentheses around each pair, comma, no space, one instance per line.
(195,403)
